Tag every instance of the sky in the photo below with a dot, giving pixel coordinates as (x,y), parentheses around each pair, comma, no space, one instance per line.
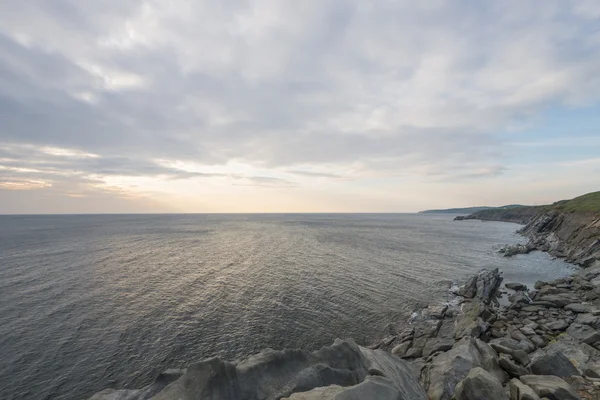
(120,106)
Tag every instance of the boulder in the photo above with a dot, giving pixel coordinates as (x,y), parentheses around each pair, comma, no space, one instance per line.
(436,344)
(558,325)
(479,384)
(447,369)
(520,391)
(557,300)
(483,286)
(515,286)
(511,250)
(279,374)
(551,387)
(513,370)
(435,311)
(526,346)
(584,333)
(587,319)
(582,308)
(401,349)
(469,322)
(554,363)
(519,355)
(164,379)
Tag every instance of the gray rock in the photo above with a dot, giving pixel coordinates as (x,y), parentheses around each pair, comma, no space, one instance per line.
(528,331)
(447,369)
(401,349)
(558,325)
(274,374)
(557,300)
(527,347)
(435,311)
(519,355)
(145,393)
(584,333)
(520,391)
(552,387)
(587,319)
(515,286)
(414,352)
(479,384)
(538,341)
(437,344)
(553,364)
(539,284)
(513,370)
(519,298)
(511,250)
(483,286)
(582,308)
(548,290)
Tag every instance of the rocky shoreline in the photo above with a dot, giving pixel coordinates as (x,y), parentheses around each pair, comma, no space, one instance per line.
(544,344)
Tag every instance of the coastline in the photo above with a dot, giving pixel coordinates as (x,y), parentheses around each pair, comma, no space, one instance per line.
(456,349)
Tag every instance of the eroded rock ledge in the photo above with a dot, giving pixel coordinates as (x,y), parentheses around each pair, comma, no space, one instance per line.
(544,344)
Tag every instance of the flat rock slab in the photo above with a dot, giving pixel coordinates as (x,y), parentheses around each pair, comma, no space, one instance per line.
(551,387)
(584,333)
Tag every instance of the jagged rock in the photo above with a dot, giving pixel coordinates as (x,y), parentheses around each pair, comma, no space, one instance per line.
(511,250)
(552,387)
(582,308)
(557,300)
(414,352)
(587,319)
(538,341)
(145,393)
(449,368)
(519,298)
(519,355)
(469,322)
(435,311)
(539,284)
(274,374)
(513,370)
(401,349)
(479,384)
(584,333)
(554,363)
(526,346)
(437,344)
(520,391)
(483,286)
(515,286)
(558,325)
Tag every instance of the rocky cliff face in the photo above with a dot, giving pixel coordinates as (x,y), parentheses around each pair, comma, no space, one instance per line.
(573,236)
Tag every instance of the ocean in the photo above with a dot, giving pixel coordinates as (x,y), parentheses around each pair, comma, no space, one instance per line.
(98,301)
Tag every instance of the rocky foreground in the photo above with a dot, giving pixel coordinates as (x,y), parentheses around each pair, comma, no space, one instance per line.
(545,343)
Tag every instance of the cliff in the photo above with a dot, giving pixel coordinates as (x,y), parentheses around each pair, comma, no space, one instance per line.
(568,229)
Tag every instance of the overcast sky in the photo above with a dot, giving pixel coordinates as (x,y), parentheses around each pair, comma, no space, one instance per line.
(298,106)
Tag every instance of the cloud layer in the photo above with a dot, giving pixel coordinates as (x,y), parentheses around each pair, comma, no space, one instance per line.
(270,93)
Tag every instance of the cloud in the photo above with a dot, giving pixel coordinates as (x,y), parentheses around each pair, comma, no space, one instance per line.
(388,89)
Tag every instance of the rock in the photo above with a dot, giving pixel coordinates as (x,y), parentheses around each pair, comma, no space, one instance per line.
(528,331)
(527,347)
(539,284)
(479,384)
(557,300)
(435,311)
(483,286)
(587,319)
(343,367)
(558,325)
(548,290)
(520,391)
(553,364)
(552,387)
(513,370)
(538,341)
(584,333)
(170,375)
(511,250)
(414,352)
(515,286)
(519,298)
(447,369)
(581,308)
(519,355)
(437,344)
(401,349)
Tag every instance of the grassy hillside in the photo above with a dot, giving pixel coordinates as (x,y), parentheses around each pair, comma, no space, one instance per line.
(587,203)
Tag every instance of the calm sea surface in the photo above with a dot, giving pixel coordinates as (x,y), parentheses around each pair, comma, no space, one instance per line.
(90,302)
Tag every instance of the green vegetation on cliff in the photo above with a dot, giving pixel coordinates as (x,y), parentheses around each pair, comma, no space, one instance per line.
(587,203)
